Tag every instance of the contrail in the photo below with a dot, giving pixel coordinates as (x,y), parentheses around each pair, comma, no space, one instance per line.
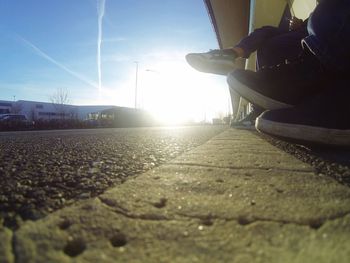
(100,12)
(42,54)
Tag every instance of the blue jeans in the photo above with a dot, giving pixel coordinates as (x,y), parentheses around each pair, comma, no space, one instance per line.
(329,34)
(273,45)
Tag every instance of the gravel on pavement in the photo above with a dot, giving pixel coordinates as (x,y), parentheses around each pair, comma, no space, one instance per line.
(328,161)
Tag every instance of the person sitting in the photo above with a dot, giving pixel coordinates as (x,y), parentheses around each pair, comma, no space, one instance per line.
(273,45)
(323,117)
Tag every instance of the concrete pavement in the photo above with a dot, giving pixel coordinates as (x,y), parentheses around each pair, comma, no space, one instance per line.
(235,198)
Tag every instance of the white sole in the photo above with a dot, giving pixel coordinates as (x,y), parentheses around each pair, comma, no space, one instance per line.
(305,133)
(200,63)
(255,97)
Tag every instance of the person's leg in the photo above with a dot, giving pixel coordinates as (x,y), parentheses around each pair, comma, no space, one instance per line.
(283,47)
(273,51)
(248,120)
(287,84)
(257,38)
(281,86)
(222,61)
(315,120)
(321,119)
(329,34)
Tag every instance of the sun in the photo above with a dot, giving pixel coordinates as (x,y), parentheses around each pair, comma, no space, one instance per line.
(175,93)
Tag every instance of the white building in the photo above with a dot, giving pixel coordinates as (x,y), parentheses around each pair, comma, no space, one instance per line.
(35,110)
(5,106)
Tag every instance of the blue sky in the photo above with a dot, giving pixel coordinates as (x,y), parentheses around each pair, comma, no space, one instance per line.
(50,45)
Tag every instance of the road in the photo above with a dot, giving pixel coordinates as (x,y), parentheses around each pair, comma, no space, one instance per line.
(44,171)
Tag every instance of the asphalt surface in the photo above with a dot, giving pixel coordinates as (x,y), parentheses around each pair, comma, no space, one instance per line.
(43,171)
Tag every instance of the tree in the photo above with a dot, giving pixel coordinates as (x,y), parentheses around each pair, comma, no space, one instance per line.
(59,100)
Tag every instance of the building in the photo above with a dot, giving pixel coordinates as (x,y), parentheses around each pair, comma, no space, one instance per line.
(234,19)
(35,110)
(98,115)
(5,106)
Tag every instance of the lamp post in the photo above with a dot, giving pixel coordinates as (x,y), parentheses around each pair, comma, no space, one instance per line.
(136,79)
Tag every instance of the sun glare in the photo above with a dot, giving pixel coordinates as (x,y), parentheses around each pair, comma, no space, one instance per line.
(175,94)
(172,92)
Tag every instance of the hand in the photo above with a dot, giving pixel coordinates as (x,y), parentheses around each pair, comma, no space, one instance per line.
(295,23)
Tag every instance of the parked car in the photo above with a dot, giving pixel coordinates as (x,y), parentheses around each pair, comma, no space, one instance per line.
(15,121)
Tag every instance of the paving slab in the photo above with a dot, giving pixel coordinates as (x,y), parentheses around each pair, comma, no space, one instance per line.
(6,253)
(234,150)
(236,198)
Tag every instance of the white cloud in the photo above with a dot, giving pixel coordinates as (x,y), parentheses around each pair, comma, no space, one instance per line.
(100,12)
(44,55)
(117,58)
(114,39)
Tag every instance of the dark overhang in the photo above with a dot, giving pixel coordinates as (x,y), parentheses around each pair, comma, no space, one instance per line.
(230,20)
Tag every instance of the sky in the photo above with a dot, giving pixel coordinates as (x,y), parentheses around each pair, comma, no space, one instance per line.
(89,48)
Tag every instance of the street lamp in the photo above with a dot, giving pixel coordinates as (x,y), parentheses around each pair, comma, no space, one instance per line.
(152,70)
(136,78)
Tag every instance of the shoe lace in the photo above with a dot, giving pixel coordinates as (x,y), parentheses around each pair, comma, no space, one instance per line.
(296,63)
(220,53)
(283,65)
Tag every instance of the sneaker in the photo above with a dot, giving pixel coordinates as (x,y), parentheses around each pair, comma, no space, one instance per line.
(280,86)
(323,119)
(218,61)
(249,120)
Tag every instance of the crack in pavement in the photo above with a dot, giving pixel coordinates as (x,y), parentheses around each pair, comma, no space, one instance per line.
(314,223)
(14,246)
(242,168)
(117,208)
